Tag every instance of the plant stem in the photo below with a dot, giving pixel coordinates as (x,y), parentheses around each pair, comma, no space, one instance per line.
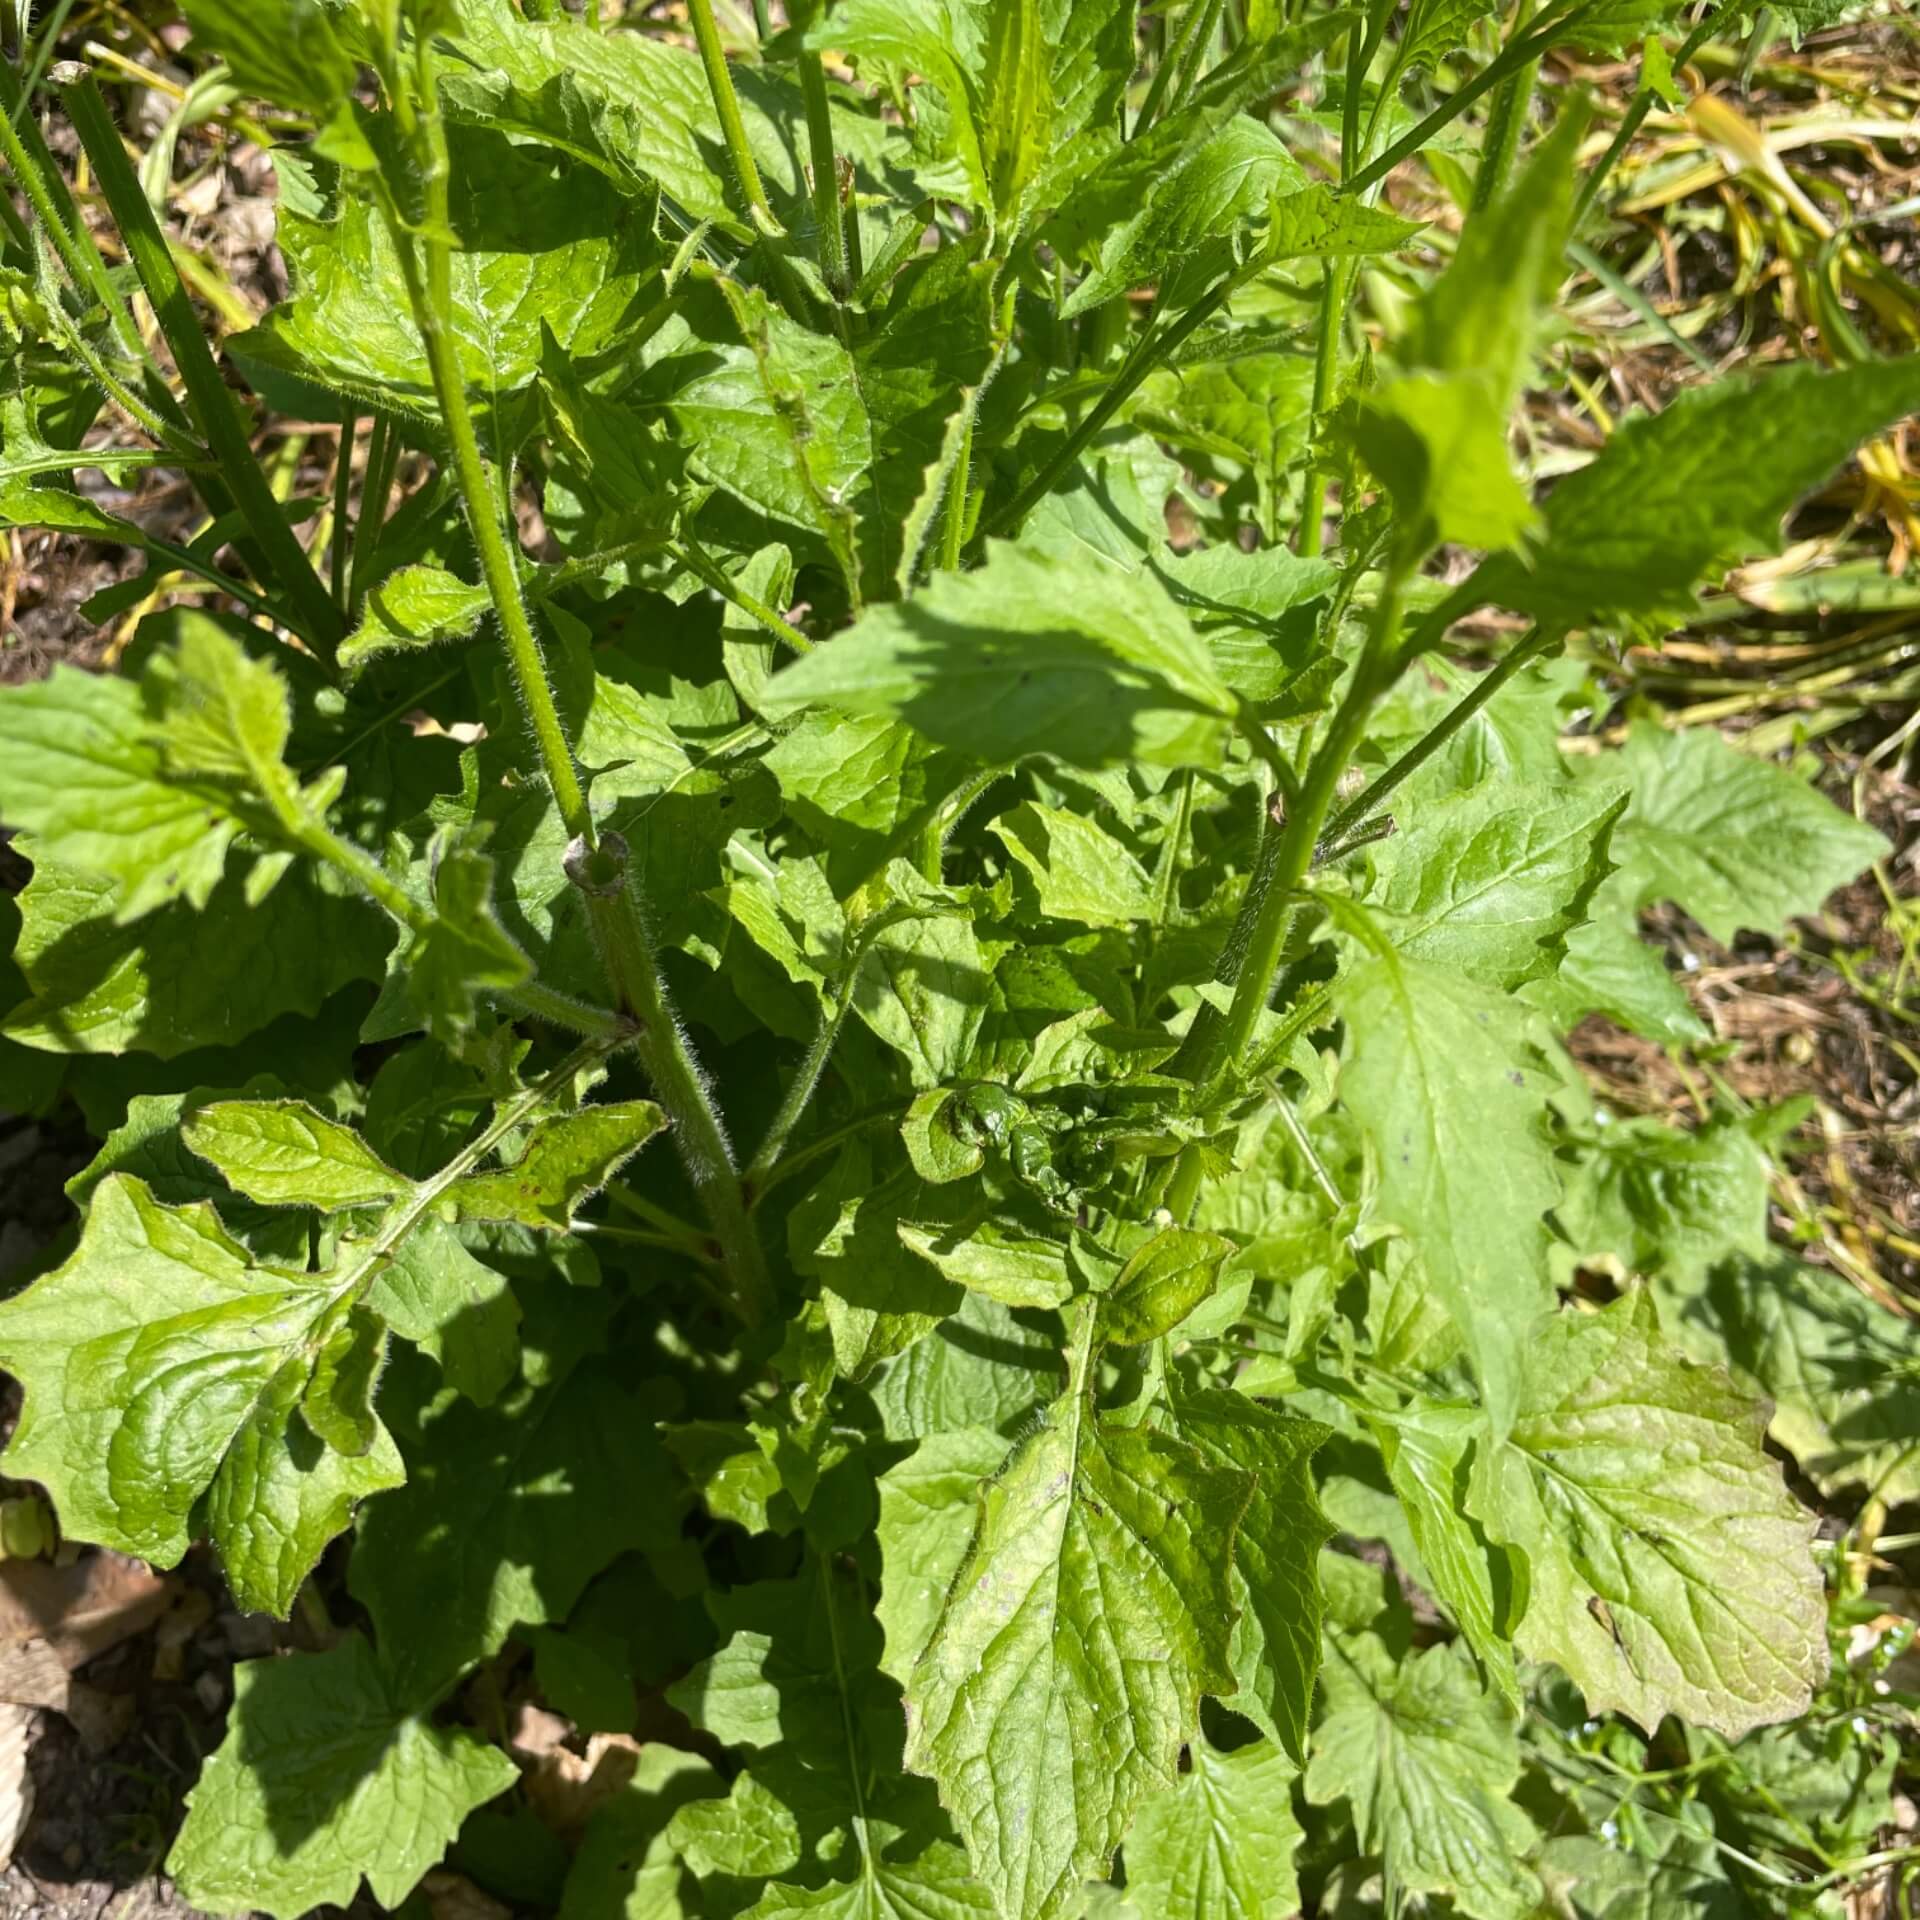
(215,411)
(806,1080)
(1334,287)
(342,496)
(1196,57)
(1166,883)
(677,1080)
(307,830)
(698,562)
(53,206)
(1506,121)
(1637,110)
(376,488)
(428,269)
(1221,1052)
(946,816)
(1171,60)
(1150,352)
(1337,276)
(1348,821)
(1519,52)
(596,863)
(827,213)
(953,535)
(733,130)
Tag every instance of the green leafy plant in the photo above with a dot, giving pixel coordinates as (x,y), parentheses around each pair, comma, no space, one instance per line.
(862,1093)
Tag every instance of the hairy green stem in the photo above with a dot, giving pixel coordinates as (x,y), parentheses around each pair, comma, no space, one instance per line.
(1166,883)
(1196,59)
(596,863)
(168,429)
(696,561)
(953,535)
(626,951)
(1335,289)
(946,816)
(53,205)
(1338,277)
(427,267)
(1221,1052)
(1517,54)
(805,1083)
(828,214)
(733,130)
(215,410)
(1506,122)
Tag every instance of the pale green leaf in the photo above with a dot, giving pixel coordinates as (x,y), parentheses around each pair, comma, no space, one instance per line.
(1058,654)
(1079,870)
(147,785)
(855,782)
(435,1293)
(541,244)
(284,1154)
(326,1776)
(282,1495)
(928,1505)
(461,955)
(1439,1076)
(933,1886)
(980,1367)
(1681,493)
(1275,1648)
(1178,192)
(926,980)
(1735,841)
(1490,882)
(81,771)
(286,51)
(1426,1762)
(1090,1612)
(419,606)
(1841,1371)
(1016,101)
(1160,1285)
(779,422)
(1662,1200)
(565,1162)
(1438,441)
(1322,223)
(144,1359)
(1426,1449)
(1008,1263)
(1671,1572)
(1220,1846)
(1479,317)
